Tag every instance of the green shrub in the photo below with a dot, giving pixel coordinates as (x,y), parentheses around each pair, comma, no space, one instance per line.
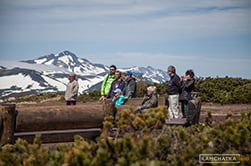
(140,139)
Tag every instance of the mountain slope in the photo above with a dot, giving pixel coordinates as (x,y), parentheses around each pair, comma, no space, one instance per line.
(149,73)
(50,74)
(70,62)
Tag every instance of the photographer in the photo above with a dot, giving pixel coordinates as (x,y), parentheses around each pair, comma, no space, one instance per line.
(187,86)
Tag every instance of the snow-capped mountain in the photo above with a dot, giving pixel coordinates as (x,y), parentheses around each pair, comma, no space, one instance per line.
(70,62)
(149,73)
(50,74)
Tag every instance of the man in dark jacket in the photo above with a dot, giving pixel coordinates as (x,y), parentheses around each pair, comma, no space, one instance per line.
(118,83)
(173,90)
(130,86)
(187,86)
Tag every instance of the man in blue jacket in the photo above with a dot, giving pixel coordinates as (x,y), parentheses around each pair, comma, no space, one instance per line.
(173,90)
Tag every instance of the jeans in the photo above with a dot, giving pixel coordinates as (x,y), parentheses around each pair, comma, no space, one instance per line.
(184,108)
(173,108)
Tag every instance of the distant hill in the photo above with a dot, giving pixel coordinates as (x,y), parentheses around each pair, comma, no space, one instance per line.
(49,74)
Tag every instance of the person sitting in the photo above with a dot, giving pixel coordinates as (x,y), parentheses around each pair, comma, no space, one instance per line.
(150,100)
(118,83)
(118,98)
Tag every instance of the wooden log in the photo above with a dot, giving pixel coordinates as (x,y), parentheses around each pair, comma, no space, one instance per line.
(134,101)
(56,136)
(59,118)
(194,108)
(8,118)
(108,107)
(176,122)
(137,101)
(198,104)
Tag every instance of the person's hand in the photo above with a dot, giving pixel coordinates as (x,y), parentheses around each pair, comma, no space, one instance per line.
(139,108)
(103,98)
(126,98)
(183,77)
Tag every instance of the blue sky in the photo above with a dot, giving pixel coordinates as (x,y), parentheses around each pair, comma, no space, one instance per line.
(212,37)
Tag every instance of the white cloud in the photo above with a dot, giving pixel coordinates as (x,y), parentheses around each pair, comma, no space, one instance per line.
(202,65)
(122,22)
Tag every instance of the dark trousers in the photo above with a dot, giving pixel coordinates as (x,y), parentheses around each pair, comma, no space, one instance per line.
(70,102)
(184,108)
(137,111)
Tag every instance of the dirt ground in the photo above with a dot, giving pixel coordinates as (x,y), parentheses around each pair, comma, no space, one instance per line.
(214,108)
(219,112)
(225,108)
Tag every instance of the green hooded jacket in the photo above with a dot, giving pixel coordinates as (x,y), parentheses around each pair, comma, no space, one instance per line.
(106,85)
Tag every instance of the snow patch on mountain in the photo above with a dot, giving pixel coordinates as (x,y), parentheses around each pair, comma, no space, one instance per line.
(18,80)
(70,62)
(38,67)
(50,74)
(149,73)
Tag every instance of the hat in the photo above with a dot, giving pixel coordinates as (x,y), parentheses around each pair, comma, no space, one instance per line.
(72,74)
(171,69)
(117,91)
(128,73)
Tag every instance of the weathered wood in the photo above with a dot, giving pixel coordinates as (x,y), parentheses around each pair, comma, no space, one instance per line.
(134,101)
(177,122)
(8,115)
(108,108)
(198,104)
(194,108)
(137,101)
(59,118)
(57,136)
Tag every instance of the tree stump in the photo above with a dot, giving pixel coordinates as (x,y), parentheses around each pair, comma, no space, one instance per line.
(7,126)
(108,108)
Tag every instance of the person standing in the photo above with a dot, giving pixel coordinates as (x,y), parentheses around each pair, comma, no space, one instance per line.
(71,92)
(118,83)
(130,86)
(107,82)
(187,86)
(173,90)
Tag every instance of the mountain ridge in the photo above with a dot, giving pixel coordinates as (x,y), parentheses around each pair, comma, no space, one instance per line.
(49,73)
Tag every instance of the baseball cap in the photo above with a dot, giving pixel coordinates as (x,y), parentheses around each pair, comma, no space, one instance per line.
(128,73)
(117,91)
